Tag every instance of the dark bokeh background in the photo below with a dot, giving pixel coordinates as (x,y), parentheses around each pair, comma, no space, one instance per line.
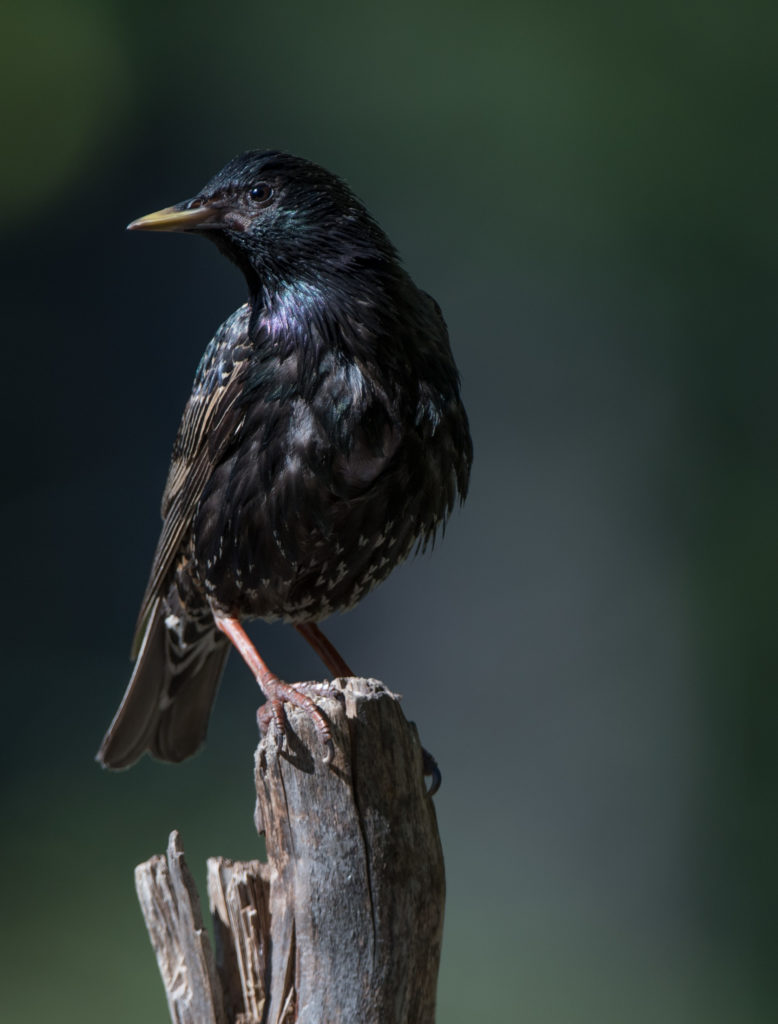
(590,192)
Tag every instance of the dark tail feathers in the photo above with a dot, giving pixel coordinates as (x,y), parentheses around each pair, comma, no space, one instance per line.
(168,702)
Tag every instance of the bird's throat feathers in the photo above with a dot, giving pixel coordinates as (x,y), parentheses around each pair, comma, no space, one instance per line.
(313,313)
(290,309)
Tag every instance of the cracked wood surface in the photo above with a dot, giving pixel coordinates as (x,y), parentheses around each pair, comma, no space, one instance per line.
(344,921)
(171,907)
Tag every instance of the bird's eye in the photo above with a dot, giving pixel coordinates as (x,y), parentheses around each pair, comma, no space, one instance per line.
(260,193)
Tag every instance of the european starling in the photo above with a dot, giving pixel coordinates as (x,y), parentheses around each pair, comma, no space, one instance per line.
(323,440)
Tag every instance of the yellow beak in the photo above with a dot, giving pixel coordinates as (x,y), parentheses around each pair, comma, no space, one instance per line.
(173,218)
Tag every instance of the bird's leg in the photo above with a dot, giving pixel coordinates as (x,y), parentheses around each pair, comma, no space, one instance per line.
(275,690)
(326,650)
(338,667)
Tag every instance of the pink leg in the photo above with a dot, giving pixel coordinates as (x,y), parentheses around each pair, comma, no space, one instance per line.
(326,651)
(275,690)
(338,667)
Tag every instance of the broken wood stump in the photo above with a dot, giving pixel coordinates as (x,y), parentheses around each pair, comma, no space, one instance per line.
(343,923)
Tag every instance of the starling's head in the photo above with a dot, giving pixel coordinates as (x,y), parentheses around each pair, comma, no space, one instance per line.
(278,215)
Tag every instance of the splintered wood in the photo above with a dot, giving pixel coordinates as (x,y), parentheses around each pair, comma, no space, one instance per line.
(171,907)
(343,923)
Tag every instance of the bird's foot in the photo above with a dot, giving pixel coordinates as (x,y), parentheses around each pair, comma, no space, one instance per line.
(430,767)
(278,693)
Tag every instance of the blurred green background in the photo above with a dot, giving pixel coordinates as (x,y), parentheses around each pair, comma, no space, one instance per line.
(590,192)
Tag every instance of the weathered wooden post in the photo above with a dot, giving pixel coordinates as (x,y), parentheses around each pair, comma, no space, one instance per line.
(343,923)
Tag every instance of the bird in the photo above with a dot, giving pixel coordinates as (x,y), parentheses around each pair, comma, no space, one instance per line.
(324,441)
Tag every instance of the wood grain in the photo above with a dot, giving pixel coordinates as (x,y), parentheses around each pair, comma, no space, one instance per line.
(344,921)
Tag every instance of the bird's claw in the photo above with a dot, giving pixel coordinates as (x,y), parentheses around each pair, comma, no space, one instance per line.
(329,751)
(430,767)
(272,714)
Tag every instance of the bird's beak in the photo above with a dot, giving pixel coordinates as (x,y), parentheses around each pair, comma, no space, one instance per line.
(181,217)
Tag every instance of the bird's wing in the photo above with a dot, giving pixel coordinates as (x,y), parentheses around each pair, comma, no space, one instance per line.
(209,427)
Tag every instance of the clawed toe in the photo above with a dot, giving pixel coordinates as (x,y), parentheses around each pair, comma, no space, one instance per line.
(430,767)
(272,714)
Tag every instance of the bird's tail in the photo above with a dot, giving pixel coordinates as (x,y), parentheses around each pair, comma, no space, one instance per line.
(168,702)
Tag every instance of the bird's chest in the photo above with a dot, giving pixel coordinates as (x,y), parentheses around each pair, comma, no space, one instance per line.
(311,508)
